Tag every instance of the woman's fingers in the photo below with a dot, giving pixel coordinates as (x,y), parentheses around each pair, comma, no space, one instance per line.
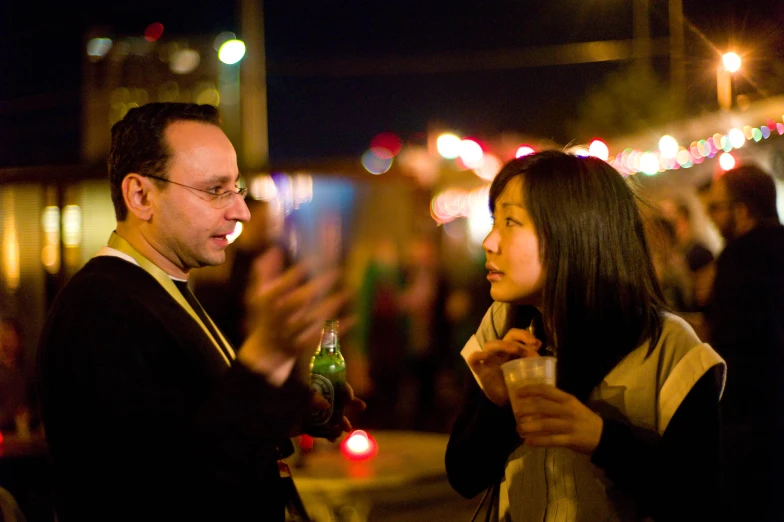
(545,391)
(538,406)
(547,416)
(520,335)
(524,340)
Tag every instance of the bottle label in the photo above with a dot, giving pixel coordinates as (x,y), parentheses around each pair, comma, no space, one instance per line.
(322,385)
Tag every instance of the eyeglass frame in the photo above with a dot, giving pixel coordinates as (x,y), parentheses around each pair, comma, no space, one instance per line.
(242,192)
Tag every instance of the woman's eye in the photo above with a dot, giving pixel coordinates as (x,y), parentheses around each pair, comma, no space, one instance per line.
(510,222)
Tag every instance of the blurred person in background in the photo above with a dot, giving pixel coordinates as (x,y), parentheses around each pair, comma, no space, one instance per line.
(698,257)
(18,409)
(149,413)
(632,430)
(669,263)
(423,299)
(746,320)
(380,338)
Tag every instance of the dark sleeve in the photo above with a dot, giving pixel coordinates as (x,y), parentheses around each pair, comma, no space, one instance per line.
(145,422)
(677,477)
(482,437)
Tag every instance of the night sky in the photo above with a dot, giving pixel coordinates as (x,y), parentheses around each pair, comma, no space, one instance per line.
(324,115)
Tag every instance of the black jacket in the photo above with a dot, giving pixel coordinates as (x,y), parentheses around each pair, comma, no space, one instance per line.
(144,419)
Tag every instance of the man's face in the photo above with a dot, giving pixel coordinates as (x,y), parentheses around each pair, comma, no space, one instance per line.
(189,230)
(721,209)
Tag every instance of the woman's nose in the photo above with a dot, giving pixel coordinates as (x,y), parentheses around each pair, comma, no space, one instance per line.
(490,244)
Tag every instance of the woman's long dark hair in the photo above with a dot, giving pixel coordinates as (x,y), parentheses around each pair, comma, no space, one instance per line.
(601,298)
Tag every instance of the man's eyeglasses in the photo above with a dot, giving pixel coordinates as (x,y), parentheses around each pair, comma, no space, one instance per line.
(219,198)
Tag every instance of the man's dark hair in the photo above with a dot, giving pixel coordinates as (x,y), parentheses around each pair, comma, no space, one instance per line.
(139,144)
(755,188)
(601,297)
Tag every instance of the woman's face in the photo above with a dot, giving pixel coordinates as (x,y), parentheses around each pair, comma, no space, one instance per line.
(512,249)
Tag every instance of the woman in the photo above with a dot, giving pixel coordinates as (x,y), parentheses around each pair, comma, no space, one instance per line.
(631,432)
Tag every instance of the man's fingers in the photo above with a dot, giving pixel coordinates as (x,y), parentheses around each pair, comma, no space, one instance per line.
(328,307)
(268,265)
(293,296)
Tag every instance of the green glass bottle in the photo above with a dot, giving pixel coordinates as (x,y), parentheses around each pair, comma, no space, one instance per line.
(328,377)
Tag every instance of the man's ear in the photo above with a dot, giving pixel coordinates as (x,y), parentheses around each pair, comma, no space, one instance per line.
(136,193)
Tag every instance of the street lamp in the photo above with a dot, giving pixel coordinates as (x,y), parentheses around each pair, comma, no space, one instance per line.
(730,64)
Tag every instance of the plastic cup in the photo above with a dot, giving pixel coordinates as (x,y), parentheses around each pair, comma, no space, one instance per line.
(527,370)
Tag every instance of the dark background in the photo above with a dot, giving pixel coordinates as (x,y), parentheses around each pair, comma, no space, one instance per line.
(318,114)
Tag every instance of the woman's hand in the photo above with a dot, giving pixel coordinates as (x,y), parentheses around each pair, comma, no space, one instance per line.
(486,364)
(547,416)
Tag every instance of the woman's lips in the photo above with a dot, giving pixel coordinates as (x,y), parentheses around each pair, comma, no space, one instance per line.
(494,275)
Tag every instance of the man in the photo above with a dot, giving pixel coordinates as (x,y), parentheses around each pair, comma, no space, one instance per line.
(148,412)
(746,320)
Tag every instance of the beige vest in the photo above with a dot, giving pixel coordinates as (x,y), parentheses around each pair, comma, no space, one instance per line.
(560,485)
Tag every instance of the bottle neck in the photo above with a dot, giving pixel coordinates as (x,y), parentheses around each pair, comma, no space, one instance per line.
(329,340)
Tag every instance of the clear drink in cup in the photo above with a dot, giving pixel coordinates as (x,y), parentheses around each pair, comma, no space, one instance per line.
(527,370)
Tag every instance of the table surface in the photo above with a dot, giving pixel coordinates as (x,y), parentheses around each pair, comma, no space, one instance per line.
(403,458)
(406,480)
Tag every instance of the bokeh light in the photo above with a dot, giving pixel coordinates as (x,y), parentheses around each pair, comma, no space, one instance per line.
(524,150)
(207,93)
(231,51)
(386,145)
(737,138)
(727,161)
(153,32)
(358,445)
(72,225)
(97,48)
(471,153)
(448,145)
(490,166)
(263,188)
(649,163)
(375,165)
(684,159)
(579,150)
(184,61)
(731,62)
(599,149)
(668,146)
